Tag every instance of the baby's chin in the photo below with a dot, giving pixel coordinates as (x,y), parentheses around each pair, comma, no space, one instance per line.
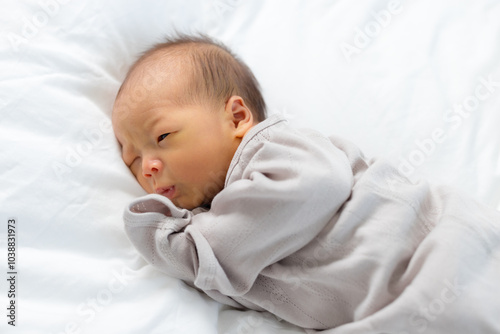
(184,202)
(190,204)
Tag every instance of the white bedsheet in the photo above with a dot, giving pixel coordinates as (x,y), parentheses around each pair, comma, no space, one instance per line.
(415,81)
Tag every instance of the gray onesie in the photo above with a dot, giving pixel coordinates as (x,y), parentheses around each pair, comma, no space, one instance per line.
(309,230)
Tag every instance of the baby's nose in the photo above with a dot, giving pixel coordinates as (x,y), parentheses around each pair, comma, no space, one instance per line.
(151,167)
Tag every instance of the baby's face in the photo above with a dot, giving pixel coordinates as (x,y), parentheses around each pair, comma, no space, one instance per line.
(180,152)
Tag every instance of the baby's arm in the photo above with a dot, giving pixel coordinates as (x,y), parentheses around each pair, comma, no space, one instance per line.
(284,198)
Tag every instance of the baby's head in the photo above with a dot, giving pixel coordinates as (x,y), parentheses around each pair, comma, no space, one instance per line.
(180,115)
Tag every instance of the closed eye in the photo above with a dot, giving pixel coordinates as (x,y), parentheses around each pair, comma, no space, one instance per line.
(163,136)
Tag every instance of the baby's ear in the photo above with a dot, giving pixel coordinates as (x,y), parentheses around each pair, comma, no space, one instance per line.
(241,115)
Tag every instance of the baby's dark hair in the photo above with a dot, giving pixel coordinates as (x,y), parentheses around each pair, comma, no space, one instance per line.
(217,73)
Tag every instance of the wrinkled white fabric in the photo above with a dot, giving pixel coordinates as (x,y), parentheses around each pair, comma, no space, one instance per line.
(309,230)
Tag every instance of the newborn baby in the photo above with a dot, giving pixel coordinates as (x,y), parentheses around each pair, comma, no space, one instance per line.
(263,216)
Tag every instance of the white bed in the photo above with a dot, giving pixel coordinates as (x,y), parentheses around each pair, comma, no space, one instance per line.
(414,81)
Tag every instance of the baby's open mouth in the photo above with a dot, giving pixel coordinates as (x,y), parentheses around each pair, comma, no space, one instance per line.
(168,192)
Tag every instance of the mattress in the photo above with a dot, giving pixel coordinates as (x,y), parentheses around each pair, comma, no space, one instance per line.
(416,82)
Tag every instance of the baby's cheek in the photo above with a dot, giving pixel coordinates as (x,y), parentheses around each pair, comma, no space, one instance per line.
(143,182)
(145,185)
